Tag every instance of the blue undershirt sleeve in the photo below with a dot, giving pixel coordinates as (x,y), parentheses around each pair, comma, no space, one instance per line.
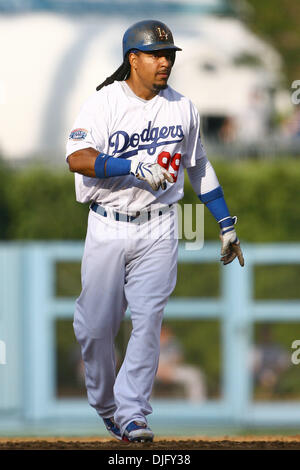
(106,166)
(216,204)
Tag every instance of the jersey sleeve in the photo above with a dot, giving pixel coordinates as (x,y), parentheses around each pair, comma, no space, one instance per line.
(89,129)
(202,177)
(194,148)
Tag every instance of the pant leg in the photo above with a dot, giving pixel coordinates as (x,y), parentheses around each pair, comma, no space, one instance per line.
(99,311)
(150,279)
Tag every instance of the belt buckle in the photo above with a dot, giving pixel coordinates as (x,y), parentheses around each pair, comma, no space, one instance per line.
(141,217)
(133,217)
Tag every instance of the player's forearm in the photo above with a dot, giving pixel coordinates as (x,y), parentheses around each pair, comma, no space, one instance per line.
(83,162)
(207,187)
(216,204)
(89,162)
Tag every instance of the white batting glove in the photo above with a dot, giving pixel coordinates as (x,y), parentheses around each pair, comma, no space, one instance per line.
(153,173)
(230,245)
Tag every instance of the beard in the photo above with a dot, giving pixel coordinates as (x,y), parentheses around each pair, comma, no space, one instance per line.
(157,88)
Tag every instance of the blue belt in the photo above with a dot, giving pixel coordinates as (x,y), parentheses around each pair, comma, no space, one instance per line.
(145,216)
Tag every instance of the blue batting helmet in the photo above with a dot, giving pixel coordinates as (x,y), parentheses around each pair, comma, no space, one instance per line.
(148,35)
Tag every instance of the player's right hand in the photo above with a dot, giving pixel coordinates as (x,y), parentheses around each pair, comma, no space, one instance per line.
(153,173)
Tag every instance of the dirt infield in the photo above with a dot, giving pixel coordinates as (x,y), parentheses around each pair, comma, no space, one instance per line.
(201,443)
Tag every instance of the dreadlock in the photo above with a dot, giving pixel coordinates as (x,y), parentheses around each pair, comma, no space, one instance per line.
(122,73)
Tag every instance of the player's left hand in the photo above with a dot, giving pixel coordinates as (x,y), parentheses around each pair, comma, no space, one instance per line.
(153,173)
(230,245)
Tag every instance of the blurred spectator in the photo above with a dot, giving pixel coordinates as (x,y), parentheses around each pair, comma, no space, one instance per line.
(270,360)
(227,133)
(173,370)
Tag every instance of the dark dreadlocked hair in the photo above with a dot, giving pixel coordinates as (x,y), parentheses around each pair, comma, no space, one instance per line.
(122,73)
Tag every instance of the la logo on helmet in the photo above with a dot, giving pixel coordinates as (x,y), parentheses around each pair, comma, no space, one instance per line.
(163,36)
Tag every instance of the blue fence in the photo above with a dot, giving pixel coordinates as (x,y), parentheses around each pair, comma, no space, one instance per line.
(29,309)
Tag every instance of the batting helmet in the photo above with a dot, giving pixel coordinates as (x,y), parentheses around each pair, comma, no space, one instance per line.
(148,35)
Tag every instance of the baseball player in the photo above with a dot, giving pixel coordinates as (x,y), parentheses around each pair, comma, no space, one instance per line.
(129,147)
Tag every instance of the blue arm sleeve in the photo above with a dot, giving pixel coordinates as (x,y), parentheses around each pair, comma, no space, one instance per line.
(215,202)
(106,166)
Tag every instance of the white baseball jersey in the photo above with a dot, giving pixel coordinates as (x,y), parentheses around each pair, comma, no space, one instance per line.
(116,122)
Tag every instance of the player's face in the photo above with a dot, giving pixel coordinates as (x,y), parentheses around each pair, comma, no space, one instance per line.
(153,68)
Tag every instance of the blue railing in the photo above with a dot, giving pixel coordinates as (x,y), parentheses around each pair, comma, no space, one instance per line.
(29,308)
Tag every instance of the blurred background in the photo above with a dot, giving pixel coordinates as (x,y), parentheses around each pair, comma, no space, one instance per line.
(226,361)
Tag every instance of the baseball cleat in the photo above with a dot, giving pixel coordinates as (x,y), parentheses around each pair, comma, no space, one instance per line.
(137,431)
(112,428)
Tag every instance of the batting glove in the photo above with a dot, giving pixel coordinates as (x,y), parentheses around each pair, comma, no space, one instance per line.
(153,173)
(230,245)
